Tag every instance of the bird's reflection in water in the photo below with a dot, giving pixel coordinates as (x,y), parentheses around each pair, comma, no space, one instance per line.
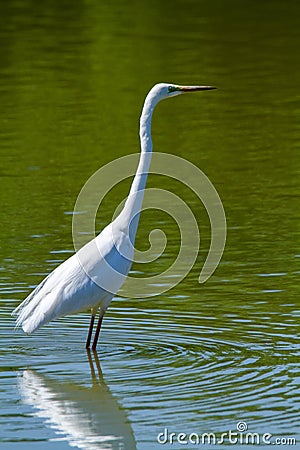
(88,418)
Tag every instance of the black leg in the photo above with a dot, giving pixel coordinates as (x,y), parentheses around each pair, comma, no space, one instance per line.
(88,341)
(97,331)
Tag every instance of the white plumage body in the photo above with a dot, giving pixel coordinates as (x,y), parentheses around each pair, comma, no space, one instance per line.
(86,280)
(91,277)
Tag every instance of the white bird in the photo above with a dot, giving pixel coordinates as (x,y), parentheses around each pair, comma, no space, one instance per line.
(90,278)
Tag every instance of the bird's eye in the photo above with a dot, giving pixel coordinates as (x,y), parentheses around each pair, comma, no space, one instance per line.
(171,89)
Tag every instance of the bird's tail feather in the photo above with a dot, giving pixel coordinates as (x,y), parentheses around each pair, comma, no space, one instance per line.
(17,311)
(32,315)
(24,312)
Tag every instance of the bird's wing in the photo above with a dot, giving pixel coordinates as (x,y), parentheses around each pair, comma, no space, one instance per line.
(34,293)
(41,304)
(87,279)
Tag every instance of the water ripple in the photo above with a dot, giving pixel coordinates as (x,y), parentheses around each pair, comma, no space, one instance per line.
(187,365)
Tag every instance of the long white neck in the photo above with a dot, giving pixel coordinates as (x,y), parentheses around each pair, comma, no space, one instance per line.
(131,212)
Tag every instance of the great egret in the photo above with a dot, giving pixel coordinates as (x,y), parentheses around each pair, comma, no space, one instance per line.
(91,277)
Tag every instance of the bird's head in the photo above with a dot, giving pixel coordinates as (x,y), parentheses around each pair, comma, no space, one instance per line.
(165,90)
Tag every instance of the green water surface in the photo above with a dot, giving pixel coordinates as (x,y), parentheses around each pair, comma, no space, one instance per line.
(197,358)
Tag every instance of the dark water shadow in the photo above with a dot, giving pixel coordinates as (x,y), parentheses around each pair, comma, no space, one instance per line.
(88,418)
